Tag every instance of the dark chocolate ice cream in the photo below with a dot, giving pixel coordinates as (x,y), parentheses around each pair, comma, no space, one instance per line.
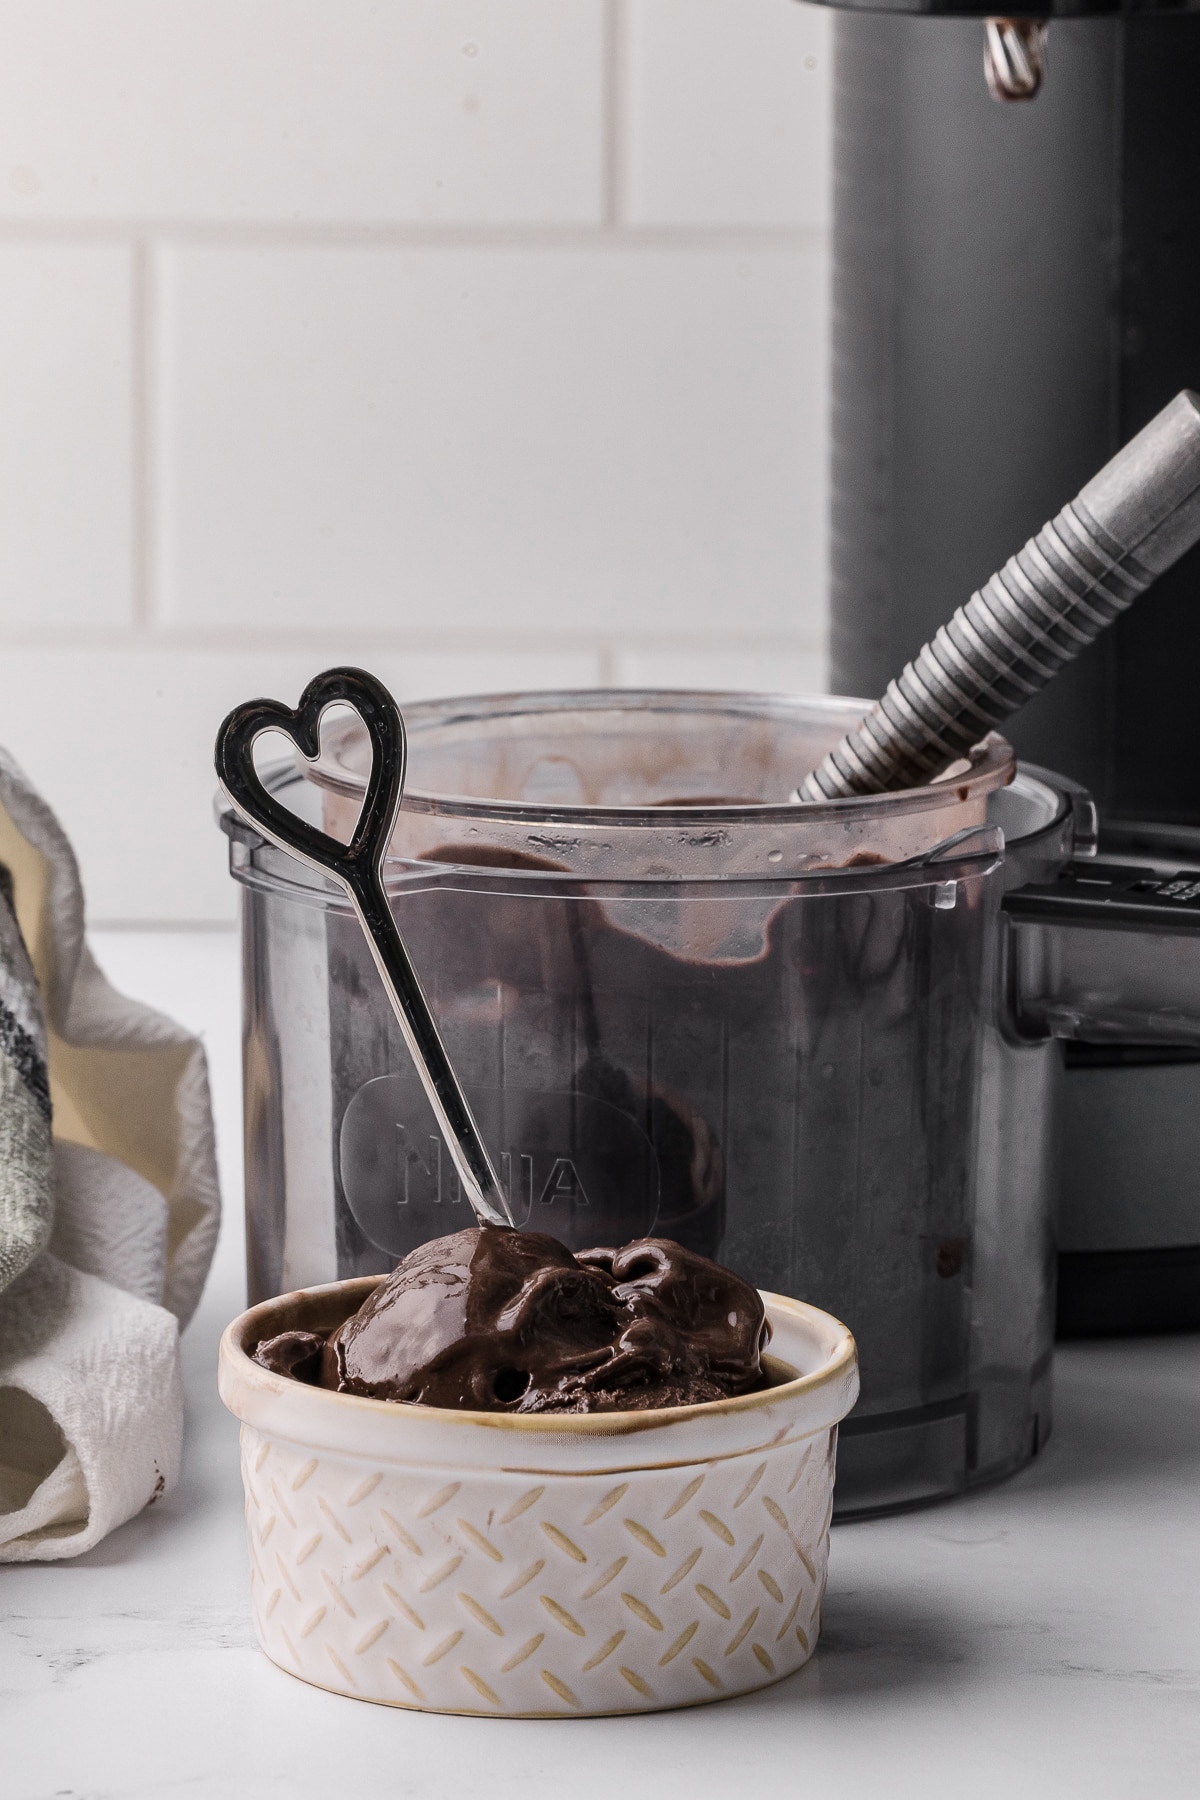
(505,1321)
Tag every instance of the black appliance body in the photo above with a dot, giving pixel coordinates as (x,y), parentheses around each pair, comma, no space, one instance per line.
(1016,292)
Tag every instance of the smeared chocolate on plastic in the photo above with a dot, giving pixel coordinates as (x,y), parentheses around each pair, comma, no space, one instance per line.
(494,1320)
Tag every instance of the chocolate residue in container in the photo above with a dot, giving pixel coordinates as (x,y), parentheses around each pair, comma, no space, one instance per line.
(682,800)
(494,1320)
(691,1163)
(492,856)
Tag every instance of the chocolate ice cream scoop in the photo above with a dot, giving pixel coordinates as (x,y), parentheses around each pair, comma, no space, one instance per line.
(495,1320)
(719,1316)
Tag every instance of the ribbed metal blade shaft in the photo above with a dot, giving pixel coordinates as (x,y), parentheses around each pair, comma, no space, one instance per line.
(1130,523)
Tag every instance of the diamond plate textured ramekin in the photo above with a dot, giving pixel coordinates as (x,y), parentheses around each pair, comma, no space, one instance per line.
(538,1566)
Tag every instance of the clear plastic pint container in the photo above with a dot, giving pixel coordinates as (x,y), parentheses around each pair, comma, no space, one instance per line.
(682,1005)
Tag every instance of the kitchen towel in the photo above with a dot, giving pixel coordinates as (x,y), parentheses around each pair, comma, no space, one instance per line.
(109,1208)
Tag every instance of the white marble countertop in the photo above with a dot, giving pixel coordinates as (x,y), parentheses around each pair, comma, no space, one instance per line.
(1040,1639)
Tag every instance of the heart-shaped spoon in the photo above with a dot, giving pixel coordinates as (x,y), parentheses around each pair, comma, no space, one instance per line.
(358,869)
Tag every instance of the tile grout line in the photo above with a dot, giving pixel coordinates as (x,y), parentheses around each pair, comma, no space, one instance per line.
(615,120)
(151,438)
(139,435)
(152,324)
(269,234)
(365,638)
(124,923)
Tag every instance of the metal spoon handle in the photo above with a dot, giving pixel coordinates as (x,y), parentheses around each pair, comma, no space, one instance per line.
(357,867)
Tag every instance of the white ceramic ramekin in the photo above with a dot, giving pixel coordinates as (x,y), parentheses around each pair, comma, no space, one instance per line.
(542,1565)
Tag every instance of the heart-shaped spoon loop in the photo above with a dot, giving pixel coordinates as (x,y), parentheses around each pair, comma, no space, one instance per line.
(358,869)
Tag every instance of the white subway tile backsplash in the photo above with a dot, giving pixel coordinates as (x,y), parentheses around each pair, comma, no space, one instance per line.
(66,409)
(780,669)
(610,440)
(120,742)
(727,112)
(329,327)
(485,111)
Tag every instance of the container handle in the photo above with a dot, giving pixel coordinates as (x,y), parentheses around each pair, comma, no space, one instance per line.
(1106,952)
